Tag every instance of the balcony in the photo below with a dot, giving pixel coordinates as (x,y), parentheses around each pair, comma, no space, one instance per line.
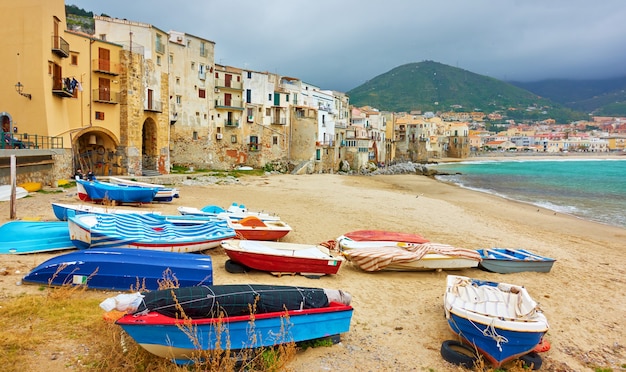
(64,87)
(105,96)
(60,47)
(159,47)
(231,123)
(279,121)
(153,106)
(230,104)
(105,66)
(222,83)
(254,147)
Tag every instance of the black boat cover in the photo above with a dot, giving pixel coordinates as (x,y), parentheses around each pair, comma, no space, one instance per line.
(232,299)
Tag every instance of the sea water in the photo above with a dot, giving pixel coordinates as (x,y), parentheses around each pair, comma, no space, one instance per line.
(591,189)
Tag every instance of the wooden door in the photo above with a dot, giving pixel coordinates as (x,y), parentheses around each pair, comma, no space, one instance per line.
(104,89)
(104,59)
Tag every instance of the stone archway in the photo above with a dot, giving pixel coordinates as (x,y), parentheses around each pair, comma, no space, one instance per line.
(149,152)
(97,149)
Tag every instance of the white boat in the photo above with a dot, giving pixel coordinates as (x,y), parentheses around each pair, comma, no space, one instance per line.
(499,320)
(277,257)
(402,256)
(235,212)
(61,210)
(5,192)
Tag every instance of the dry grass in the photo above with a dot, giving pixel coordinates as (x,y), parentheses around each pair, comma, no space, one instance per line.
(84,341)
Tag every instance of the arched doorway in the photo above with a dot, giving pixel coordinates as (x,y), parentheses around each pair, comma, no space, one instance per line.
(97,149)
(149,153)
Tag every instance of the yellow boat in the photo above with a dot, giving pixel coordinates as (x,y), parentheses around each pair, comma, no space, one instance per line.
(31,186)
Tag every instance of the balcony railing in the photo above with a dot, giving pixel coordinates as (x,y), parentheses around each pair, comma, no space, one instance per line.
(231,123)
(60,47)
(253,147)
(105,96)
(159,47)
(279,121)
(105,66)
(29,141)
(222,83)
(154,106)
(233,103)
(64,87)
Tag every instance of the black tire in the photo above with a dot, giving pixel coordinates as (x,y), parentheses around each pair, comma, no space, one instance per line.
(234,267)
(532,360)
(458,353)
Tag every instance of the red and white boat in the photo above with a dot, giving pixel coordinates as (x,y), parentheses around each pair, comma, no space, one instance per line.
(280,258)
(253,228)
(382,235)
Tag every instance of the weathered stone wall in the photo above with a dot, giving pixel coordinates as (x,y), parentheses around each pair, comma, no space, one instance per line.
(45,166)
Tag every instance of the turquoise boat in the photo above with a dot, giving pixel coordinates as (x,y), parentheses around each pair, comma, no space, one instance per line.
(23,237)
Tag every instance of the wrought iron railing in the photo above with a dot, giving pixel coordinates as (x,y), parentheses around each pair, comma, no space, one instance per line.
(29,141)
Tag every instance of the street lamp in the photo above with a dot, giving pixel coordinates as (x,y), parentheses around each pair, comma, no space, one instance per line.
(19,87)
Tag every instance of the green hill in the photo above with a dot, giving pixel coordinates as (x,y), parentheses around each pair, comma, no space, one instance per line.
(605,97)
(432,86)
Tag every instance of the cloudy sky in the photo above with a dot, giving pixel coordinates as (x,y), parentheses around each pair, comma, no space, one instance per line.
(340,44)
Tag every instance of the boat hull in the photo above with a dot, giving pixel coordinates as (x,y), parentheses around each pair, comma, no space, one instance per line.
(506,261)
(60,210)
(145,232)
(5,192)
(23,237)
(282,257)
(122,269)
(98,191)
(499,319)
(163,195)
(403,256)
(233,213)
(165,336)
(253,228)
(382,235)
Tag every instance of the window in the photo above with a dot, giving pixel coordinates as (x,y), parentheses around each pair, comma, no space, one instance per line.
(269,97)
(202,93)
(158,60)
(177,81)
(249,74)
(103,37)
(99,115)
(171,59)
(202,49)
(74,59)
(179,99)
(233,138)
(193,65)
(268,112)
(195,135)
(287,97)
(275,140)
(248,96)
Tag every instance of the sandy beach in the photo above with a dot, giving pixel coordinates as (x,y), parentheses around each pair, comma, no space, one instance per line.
(398,322)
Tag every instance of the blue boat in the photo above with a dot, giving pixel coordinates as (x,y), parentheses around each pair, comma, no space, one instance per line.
(98,191)
(22,237)
(144,231)
(500,320)
(164,195)
(283,314)
(508,260)
(60,210)
(122,269)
